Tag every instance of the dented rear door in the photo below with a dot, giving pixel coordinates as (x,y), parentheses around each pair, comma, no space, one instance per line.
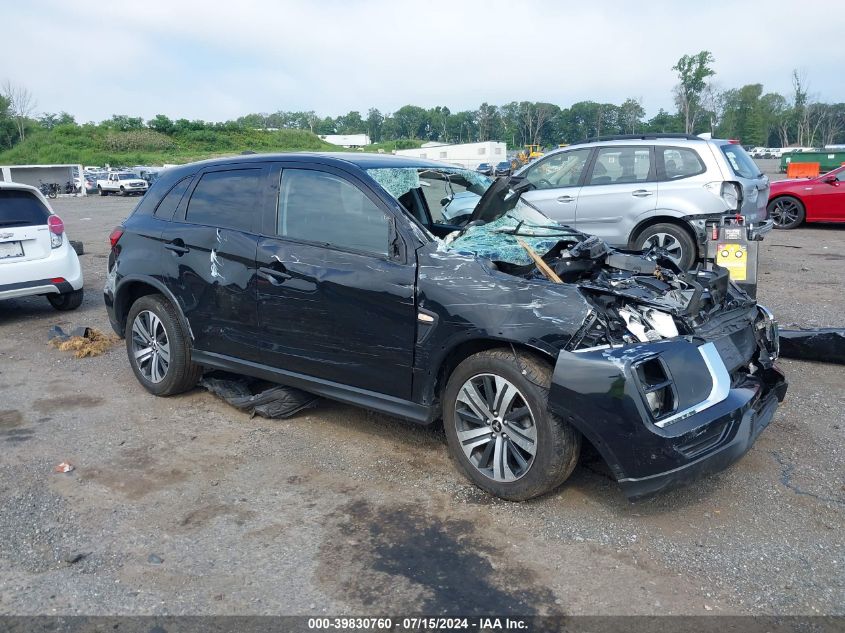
(209,253)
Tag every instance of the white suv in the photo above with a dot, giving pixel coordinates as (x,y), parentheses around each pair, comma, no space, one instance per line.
(36,258)
(636,191)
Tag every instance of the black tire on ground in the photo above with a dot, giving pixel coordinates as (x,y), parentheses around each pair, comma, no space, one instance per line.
(122,191)
(786,212)
(100,190)
(67,301)
(558,444)
(78,247)
(684,245)
(181,373)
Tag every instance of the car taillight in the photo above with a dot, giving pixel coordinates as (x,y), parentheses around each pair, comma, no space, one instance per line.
(57,227)
(733,141)
(115,236)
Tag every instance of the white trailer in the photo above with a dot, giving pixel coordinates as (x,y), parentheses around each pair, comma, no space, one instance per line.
(468,155)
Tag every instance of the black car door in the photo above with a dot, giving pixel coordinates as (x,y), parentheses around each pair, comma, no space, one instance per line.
(335,301)
(210,257)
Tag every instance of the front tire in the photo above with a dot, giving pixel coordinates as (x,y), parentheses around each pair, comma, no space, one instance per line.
(786,212)
(158,347)
(66,301)
(499,429)
(676,241)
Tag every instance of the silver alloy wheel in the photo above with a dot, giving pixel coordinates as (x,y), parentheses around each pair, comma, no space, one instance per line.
(495,427)
(785,212)
(150,347)
(667,242)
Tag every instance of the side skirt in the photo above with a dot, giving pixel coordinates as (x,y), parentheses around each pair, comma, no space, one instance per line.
(421,414)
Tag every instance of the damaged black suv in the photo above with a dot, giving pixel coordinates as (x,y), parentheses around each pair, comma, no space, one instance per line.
(345,275)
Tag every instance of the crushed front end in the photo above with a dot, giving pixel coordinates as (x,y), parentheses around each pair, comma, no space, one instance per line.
(670,375)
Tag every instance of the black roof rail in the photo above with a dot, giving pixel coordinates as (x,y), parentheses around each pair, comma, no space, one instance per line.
(639,137)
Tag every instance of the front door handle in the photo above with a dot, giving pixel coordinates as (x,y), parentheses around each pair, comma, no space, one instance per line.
(642,193)
(565,199)
(275,277)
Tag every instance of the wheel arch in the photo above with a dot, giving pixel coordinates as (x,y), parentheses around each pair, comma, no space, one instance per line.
(133,288)
(460,351)
(661,219)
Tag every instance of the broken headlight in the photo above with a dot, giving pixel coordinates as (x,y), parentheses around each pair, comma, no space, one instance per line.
(657,388)
(767,331)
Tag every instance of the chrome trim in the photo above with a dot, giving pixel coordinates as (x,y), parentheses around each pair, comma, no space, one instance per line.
(719,391)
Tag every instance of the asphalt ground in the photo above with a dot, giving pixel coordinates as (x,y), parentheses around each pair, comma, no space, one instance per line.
(184,505)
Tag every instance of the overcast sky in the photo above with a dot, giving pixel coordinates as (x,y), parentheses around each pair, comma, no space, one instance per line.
(217,60)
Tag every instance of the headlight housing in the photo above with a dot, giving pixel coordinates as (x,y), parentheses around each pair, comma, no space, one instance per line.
(657,388)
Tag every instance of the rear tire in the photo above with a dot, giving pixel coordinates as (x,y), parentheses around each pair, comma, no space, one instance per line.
(77,247)
(66,301)
(786,212)
(158,348)
(100,189)
(677,241)
(518,385)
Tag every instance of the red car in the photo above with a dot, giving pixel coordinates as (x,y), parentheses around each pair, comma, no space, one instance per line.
(820,199)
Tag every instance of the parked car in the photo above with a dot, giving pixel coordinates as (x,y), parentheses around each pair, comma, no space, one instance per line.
(820,199)
(123,183)
(485,168)
(36,257)
(319,272)
(503,168)
(639,191)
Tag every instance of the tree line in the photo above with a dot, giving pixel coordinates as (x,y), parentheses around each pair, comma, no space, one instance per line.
(748,113)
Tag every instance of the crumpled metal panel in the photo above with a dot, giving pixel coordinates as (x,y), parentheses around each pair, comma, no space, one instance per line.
(825,345)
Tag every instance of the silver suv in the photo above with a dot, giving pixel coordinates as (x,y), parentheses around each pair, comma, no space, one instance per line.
(635,191)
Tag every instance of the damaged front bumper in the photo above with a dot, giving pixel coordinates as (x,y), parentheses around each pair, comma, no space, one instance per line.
(718,403)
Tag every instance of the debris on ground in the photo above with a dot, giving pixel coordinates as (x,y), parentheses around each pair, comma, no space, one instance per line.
(82,341)
(155,559)
(258,397)
(64,467)
(826,345)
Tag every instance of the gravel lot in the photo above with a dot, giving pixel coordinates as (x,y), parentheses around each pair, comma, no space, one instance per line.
(186,506)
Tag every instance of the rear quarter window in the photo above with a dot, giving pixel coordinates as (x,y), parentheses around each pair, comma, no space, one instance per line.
(21,208)
(741,163)
(167,207)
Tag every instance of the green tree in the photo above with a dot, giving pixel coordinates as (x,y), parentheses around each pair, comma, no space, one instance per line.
(162,124)
(411,121)
(375,120)
(631,114)
(693,71)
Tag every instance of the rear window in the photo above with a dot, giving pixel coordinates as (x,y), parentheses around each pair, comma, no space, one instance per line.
(741,163)
(21,208)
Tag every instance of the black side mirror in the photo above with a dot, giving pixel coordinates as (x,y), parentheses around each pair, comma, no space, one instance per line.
(831,180)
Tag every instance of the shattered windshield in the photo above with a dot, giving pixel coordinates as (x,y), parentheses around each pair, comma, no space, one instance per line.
(499,240)
(449,193)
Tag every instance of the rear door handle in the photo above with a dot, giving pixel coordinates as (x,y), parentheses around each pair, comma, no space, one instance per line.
(642,193)
(275,277)
(178,247)
(565,199)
